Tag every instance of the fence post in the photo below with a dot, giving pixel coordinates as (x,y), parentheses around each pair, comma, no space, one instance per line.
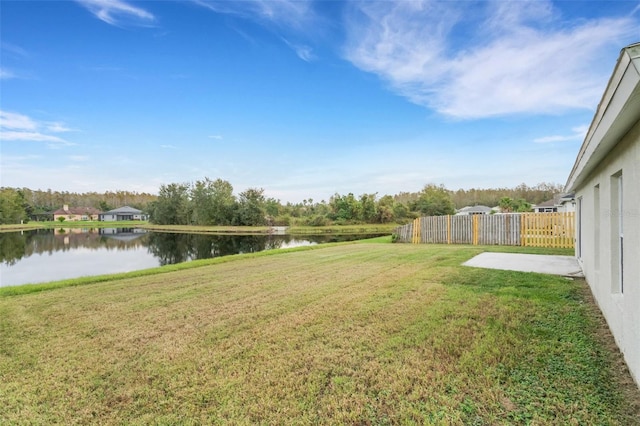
(416,231)
(475,230)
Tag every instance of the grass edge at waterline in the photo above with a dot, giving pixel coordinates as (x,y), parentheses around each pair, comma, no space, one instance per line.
(93,279)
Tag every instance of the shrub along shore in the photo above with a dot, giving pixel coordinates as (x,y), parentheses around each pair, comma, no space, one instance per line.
(365,333)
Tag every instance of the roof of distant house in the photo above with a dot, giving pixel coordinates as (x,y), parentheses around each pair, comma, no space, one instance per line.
(549,203)
(124,210)
(567,197)
(475,209)
(80,211)
(556,200)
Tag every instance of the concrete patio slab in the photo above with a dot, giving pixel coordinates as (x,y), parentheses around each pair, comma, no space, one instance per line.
(545,264)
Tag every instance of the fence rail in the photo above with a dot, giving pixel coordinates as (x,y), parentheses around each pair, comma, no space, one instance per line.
(514,229)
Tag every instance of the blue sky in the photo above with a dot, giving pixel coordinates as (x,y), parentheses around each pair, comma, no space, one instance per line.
(301,98)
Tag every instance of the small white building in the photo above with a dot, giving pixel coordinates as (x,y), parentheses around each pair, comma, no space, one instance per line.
(606,182)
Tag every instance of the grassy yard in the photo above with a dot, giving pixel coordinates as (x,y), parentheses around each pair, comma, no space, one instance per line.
(349,333)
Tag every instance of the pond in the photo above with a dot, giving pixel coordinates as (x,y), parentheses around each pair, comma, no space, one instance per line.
(54,254)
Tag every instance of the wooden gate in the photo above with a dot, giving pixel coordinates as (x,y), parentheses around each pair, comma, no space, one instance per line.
(548,230)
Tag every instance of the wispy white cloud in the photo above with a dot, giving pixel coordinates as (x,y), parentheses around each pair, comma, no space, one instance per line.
(216,137)
(285,13)
(167,146)
(21,128)
(294,17)
(6,74)
(486,59)
(58,127)
(15,121)
(13,49)
(578,134)
(118,12)
(10,135)
(303,51)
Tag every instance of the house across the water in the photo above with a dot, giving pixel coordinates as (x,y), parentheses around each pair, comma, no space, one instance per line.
(123,213)
(74,214)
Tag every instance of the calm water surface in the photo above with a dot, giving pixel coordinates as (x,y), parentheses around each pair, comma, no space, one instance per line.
(49,255)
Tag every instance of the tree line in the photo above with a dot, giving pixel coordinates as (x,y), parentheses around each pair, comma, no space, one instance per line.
(492,197)
(213,202)
(18,204)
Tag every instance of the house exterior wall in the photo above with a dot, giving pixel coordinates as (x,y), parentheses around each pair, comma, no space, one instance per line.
(615,285)
(545,209)
(568,207)
(75,217)
(123,215)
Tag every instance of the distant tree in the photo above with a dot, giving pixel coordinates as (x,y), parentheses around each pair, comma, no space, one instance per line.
(202,200)
(385,209)
(104,206)
(223,202)
(345,208)
(173,206)
(521,206)
(368,208)
(274,212)
(212,202)
(492,196)
(434,200)
(38,203)
(251,208)
(506,204)
(272,207)
(400,212)
(12,206)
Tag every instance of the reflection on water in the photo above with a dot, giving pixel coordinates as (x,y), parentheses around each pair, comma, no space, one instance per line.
(47,255)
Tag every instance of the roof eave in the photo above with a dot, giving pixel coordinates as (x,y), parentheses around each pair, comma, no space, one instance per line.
(616,113)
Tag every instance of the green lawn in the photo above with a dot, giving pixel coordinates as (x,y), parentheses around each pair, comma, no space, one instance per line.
(362,333)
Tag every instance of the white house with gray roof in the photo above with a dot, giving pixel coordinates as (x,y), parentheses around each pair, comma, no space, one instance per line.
(563,203)
(471,210)
(606,182)
(123,213)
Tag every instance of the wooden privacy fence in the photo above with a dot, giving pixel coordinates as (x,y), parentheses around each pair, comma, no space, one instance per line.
(513,229)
